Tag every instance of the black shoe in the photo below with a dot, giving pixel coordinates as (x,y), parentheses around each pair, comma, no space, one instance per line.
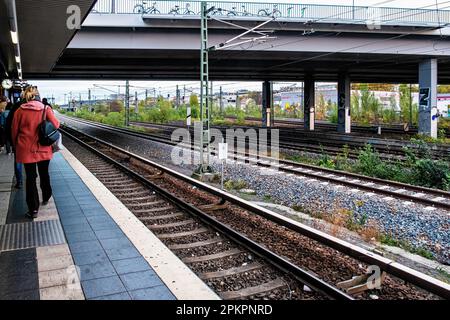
(45,202)
(32,215)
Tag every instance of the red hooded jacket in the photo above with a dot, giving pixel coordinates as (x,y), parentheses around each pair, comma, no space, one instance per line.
(25,135)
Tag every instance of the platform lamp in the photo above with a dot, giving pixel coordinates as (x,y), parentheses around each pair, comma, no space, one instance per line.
(12,16)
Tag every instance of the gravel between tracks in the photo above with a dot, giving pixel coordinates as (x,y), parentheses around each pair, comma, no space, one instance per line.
(422,228)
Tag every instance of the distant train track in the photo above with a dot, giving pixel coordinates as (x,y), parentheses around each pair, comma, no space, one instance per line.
(394,129)
(329,143)
(286,255)
(325,125)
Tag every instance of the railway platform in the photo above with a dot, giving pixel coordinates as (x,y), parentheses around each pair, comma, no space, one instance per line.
(85,244)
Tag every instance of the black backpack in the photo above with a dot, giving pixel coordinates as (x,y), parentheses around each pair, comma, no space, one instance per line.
(48,134)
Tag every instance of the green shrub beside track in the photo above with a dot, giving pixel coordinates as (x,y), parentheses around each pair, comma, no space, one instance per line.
(418,169)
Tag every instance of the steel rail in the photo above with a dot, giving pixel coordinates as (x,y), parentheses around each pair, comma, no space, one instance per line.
(280,262)
(396,269)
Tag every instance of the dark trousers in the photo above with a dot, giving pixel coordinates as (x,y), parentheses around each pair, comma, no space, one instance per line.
(17,170)
(31,188)
(8,146)
(2,137)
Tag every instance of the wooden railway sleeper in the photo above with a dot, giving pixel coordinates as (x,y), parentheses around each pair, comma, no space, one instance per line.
(360,283)
(214,206)
(159,175)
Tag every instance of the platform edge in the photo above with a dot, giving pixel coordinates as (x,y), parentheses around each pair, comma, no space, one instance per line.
(180,280)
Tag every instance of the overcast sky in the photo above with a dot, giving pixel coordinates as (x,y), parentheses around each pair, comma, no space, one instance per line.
(61,89)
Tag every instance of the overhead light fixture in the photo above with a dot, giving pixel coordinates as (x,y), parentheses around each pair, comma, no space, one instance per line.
(14,37)
(17,59)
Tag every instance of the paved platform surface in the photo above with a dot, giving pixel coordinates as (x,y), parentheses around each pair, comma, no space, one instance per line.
(84,245)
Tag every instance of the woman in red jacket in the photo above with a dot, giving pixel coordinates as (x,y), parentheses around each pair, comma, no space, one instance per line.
(28,150)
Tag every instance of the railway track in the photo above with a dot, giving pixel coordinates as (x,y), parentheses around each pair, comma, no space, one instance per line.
(237,248)
(224,259)
(299,140)
(165,131)
(390,189)
(373,186)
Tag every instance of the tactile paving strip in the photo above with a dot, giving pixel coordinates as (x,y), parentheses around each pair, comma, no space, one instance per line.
(31,234)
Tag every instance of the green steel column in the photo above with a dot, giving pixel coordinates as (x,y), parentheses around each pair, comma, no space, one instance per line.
(220,100)
(410,106)
(127,103)
(204,93)
(136,103)
(177,99)
(89,100)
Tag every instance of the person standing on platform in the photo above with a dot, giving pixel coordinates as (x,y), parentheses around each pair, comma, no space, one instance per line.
(4,129)
(3,103)
(45,103)
(25,137)
(8,129)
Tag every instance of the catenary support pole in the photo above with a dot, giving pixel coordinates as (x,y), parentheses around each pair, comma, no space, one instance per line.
(204,95)
(136,103)
(309,103)
(127,103)
(221,100)
(177,100)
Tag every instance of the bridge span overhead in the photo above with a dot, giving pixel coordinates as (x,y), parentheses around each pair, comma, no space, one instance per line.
(126,39)
(371,44)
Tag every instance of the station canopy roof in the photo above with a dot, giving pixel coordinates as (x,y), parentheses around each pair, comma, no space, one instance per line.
(42,31)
